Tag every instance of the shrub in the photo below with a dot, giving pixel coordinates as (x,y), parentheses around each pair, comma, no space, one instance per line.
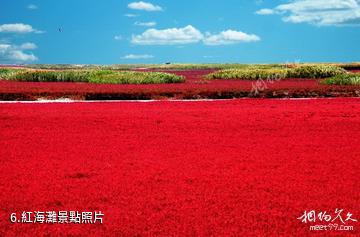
(7,72)
(315,71)
(249,74)
(95,76)
(127,77)
(344,79)
(51,76)
(255,73)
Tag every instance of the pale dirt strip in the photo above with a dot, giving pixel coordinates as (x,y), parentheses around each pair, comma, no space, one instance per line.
(66,100)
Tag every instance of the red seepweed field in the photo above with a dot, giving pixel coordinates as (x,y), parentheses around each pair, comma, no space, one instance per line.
(246,167)
(194,87)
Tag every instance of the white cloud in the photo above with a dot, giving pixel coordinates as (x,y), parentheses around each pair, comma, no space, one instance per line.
(131,15)
(118,37)
(189,35)
(15,53)
(171,36)
(138,56)
(19,28)
(28,46)
(265,11)
(144,6)
(4,47)
(20,56)
(209,56)
(319,12)
(230,37)
(32,7)
(146,24)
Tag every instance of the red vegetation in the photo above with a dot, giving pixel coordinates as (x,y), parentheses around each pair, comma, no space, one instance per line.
(194,87)
(225,168)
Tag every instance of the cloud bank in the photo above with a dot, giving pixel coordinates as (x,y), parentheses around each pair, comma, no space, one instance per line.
(144,6)
(138,56)
(318,12)
(146,24)
(189,35)
(18,28)
(15,53)
(230,37)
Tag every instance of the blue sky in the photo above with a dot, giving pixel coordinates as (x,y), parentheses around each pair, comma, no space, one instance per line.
(209,31)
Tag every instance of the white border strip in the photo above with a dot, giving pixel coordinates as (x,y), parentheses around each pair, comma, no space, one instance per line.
(69,101)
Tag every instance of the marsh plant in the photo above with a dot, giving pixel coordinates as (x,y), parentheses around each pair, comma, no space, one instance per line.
(301,71)
(91,76)
(344,79)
